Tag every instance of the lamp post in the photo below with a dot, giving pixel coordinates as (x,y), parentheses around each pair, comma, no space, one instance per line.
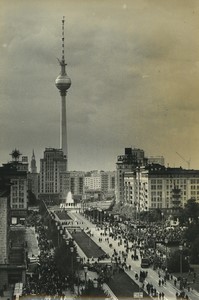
(166,242)
(78,261)
(109,271)
(181,249)
(162,214)
(154,240)
(72,250)
(61,232)
(85,273)
(58,228)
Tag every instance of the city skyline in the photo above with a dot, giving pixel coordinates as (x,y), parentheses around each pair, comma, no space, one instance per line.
(134,67)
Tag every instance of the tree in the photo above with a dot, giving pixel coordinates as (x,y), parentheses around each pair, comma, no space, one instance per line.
(194,253)
(192,232)
(192,210)
(173,263)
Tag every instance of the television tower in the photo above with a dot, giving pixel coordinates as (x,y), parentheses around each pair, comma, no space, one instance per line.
(63,83)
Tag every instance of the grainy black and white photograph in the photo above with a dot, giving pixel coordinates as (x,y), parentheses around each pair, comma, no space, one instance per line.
(99,149)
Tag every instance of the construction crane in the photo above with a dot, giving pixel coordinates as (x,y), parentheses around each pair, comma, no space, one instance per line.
(187,161)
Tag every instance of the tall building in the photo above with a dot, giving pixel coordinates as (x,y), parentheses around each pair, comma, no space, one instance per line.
(33,177)
(77,182)
(16,171)
(33,166)
(63,83)
(128,162)
(54,179)
(12,248)
(108,181)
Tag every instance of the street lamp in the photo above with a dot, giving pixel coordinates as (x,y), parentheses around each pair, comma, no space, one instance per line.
(72,250)
(109,271)
(181,249)
(154,240)
(58,228)
(61,232)
(85,273)
(166,242)
(162,214)
(78,261)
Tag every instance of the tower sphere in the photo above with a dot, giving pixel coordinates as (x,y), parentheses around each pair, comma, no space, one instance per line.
(63,82)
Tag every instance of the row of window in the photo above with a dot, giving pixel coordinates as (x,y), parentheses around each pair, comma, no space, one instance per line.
(18,206)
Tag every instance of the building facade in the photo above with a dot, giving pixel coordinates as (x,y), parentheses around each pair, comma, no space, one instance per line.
(77,182)
(156,186)
(103,181)
(128,162)
(54,179)
(33,177)
(12,258)
(16,171)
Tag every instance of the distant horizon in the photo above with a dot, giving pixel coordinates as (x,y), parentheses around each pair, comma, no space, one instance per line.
(166,164)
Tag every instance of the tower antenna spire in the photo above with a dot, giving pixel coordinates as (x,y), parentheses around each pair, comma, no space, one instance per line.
(63,46)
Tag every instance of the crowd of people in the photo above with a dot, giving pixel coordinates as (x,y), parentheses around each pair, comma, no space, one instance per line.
(132,243)
(138,243)
(45,279)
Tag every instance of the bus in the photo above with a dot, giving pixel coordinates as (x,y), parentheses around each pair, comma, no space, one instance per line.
(145,262)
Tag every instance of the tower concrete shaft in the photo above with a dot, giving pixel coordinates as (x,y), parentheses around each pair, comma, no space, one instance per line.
(63,126)
(63,83)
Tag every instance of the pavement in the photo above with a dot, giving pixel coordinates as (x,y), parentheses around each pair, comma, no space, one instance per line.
(32,244)
(169,289)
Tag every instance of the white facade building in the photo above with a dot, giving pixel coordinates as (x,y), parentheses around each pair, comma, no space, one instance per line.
(154,187)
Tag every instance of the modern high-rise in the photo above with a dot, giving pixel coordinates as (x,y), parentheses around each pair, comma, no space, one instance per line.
(63,83)
(54,179)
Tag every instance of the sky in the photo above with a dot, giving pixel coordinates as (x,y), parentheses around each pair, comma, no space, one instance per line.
(134,67)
